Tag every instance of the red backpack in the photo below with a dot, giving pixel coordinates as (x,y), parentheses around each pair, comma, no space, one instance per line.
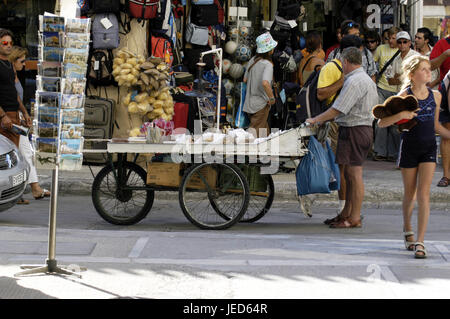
(161,47)
(143,9)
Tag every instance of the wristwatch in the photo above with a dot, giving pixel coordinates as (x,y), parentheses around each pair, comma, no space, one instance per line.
(271,99)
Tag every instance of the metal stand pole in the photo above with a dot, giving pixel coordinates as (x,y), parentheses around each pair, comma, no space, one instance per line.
(51,267)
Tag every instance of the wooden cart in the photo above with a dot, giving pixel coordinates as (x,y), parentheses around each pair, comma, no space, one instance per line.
(219,184)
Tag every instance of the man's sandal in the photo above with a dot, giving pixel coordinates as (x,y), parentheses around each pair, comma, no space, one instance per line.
(444,182)
(333,220)
(409,245)
(347,223)
(422,252)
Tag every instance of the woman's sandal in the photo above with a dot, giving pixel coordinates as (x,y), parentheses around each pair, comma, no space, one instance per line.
(347,223)
(45,193)
(409,245)
(444,182)
(422,252)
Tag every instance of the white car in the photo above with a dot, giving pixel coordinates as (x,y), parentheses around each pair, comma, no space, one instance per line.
(14,172)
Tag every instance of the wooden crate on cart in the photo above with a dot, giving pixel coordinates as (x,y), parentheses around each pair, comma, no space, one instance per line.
(171,174)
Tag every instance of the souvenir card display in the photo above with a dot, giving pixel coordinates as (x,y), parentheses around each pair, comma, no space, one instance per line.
(73,86)
(72,131)
(49,69)
(72,101)
(48,84)
(61,83)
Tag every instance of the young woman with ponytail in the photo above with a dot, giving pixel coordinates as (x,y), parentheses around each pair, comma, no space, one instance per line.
(417,157)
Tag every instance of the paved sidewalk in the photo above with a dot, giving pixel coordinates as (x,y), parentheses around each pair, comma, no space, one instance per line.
(383,186)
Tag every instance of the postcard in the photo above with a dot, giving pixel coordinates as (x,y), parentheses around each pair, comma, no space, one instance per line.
(48,84)
(48,114)
(72,131)
(72,116)
(76,56)
(71,146)
(78,25)
(77,40)
(47,145)
(49,99)
(51,23)
(73,86)
(71,162)
(45,129)
(51,54)
(50,69)
(52,39)
(72,101)
(75,71)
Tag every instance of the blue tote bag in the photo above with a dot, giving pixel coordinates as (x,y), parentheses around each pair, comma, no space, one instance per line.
(242,120)
(317,172)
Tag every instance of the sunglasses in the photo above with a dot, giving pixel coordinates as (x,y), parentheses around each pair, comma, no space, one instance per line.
(402,42)
(7,42)
(21,61)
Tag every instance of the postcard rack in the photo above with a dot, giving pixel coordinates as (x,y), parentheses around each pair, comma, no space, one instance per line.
(60,91)
(59,112)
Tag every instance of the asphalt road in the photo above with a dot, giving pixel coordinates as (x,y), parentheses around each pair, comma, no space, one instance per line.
(284,255)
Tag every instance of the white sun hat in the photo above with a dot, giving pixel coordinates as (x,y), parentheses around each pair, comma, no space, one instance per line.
(265,43)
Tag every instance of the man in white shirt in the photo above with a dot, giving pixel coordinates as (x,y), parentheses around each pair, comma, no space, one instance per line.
(404,45)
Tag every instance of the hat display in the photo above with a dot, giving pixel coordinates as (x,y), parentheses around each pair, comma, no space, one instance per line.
(403,35)
(265,43)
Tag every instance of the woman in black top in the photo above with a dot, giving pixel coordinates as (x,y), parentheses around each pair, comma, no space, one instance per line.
(10,103)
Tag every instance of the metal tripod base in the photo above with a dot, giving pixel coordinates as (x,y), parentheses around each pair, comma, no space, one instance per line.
(51,269)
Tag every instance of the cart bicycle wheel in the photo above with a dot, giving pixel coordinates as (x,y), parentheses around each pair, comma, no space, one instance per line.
(260,201)
(208,206)
(119,195)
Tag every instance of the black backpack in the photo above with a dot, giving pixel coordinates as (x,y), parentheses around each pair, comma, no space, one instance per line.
(308,105)
(105,6)
(100,68)
(289,9)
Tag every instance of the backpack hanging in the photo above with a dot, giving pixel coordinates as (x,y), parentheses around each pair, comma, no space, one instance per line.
(84,6)
(105,6)
(161,47)
(143,9)
(205,15)
(161,22)
(102,37)
(100,68)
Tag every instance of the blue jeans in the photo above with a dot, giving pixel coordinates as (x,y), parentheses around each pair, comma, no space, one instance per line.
(387,139)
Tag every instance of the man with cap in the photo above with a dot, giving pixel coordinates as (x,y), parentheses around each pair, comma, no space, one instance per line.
(258,76)
(387,140)
(404,46)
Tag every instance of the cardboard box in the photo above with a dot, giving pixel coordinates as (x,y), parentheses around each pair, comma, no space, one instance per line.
(210,176)
(164,174)
(171,175)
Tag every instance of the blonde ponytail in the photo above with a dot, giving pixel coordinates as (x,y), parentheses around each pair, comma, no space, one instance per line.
(409,66)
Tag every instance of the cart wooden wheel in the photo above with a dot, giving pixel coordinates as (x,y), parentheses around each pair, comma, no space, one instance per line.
(119,193)
(211,207)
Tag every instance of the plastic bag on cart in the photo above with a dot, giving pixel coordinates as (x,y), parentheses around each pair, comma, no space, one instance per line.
(317,172)
(242,120)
